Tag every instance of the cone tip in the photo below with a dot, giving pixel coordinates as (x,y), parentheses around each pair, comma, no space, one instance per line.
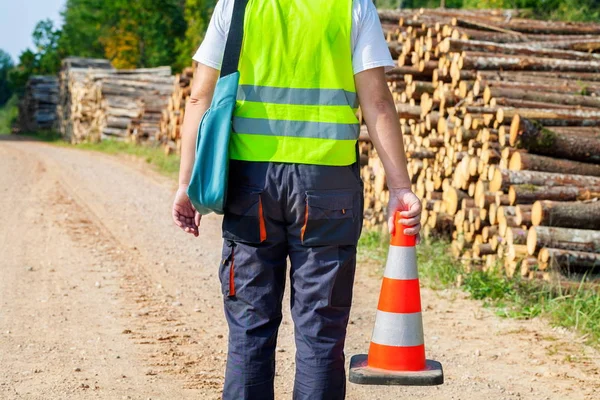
(399,238)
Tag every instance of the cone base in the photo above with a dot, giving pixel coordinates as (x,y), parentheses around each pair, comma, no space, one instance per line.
(362,374)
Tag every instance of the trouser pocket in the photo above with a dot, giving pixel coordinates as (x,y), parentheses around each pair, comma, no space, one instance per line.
(227,270)
(332,218)
(244,219)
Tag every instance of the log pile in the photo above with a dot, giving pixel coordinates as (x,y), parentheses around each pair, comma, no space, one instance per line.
(37,107)
(99,102)
(171,119)
(78,99)
(501,123)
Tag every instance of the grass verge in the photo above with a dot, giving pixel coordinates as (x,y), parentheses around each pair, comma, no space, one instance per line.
(577,308)
(167,165)
(8,114)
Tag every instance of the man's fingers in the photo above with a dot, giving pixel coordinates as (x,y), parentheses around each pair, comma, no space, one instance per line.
(415,209)
(197,218)
(413,230)
(410,221)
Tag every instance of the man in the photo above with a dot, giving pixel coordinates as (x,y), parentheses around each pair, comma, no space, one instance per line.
(294,185)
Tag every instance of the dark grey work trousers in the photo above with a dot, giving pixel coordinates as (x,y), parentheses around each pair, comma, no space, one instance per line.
(313,215)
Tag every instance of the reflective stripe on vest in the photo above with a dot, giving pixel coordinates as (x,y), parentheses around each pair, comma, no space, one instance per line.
(296,100)
(277,95)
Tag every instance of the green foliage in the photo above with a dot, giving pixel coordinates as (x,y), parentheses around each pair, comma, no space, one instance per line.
(372,246)
(82,28)
(43,60)
(131,34)
(197,15)
(45,39)
(8,115)
(6,64)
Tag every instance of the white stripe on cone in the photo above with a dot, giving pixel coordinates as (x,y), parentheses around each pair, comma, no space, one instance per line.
(401,263)
(394,329)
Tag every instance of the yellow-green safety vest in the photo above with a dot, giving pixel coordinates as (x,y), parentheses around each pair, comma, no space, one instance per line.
(296,100)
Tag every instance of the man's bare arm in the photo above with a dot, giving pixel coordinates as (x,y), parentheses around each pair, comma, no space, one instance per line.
(379,112)
(203,87)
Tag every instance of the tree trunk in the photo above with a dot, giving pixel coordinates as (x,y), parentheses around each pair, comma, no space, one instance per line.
(562,238)
(524,49)
(533,137)
(529,194)
(516,235)
(523,214)
(525,161)
(541,76)
(566,214)
(504,178)
(569,260)
(540,97)
(486,61)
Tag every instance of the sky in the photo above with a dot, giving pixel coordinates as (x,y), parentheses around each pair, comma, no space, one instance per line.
(18,19)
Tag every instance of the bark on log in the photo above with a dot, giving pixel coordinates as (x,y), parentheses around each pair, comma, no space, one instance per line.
(457,46)
(483,61)
(540,96)
(504,178)
(537,139)
(529,194)
(582,215)
(525,161)
(562,238)
(569,260)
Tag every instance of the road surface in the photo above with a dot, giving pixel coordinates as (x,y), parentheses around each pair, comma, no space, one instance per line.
(102,297)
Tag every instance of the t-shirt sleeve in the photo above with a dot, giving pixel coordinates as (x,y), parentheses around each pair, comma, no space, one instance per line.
(370,48)
(210,52)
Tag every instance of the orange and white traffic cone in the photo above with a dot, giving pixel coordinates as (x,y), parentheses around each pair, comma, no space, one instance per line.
(397,352)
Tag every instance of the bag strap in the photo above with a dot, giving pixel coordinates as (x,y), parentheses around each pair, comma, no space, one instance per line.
(233,47)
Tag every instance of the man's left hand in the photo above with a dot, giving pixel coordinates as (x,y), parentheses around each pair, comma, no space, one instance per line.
(409,205)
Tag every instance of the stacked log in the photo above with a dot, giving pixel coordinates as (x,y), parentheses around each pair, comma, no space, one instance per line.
(100,102)
(78,98)
(501,123)
(172,116)
(37,107)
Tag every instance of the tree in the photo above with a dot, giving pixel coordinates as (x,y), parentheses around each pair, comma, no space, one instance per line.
(142,33)
(6,64)
(44,60)
(45,39)
(197,15)
(82,28)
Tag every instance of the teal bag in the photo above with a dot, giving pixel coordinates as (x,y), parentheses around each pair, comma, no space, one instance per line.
(208,184)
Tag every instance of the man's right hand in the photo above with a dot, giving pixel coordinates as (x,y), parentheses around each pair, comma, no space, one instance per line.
(185,215)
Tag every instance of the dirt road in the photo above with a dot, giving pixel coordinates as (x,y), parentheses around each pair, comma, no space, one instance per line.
(101,297)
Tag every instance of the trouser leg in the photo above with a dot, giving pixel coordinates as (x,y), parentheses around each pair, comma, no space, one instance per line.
(322,249)
(322,280)
(253,280)
(253,315)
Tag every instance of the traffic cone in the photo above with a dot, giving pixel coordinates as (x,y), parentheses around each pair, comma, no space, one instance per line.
(397,351)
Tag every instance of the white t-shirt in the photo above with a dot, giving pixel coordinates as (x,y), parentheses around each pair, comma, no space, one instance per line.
(369,48)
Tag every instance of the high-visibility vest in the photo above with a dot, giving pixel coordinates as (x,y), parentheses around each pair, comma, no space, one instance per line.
(297,100)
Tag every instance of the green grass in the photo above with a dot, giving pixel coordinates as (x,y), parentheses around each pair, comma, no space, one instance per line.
(8,114)
(577,308)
